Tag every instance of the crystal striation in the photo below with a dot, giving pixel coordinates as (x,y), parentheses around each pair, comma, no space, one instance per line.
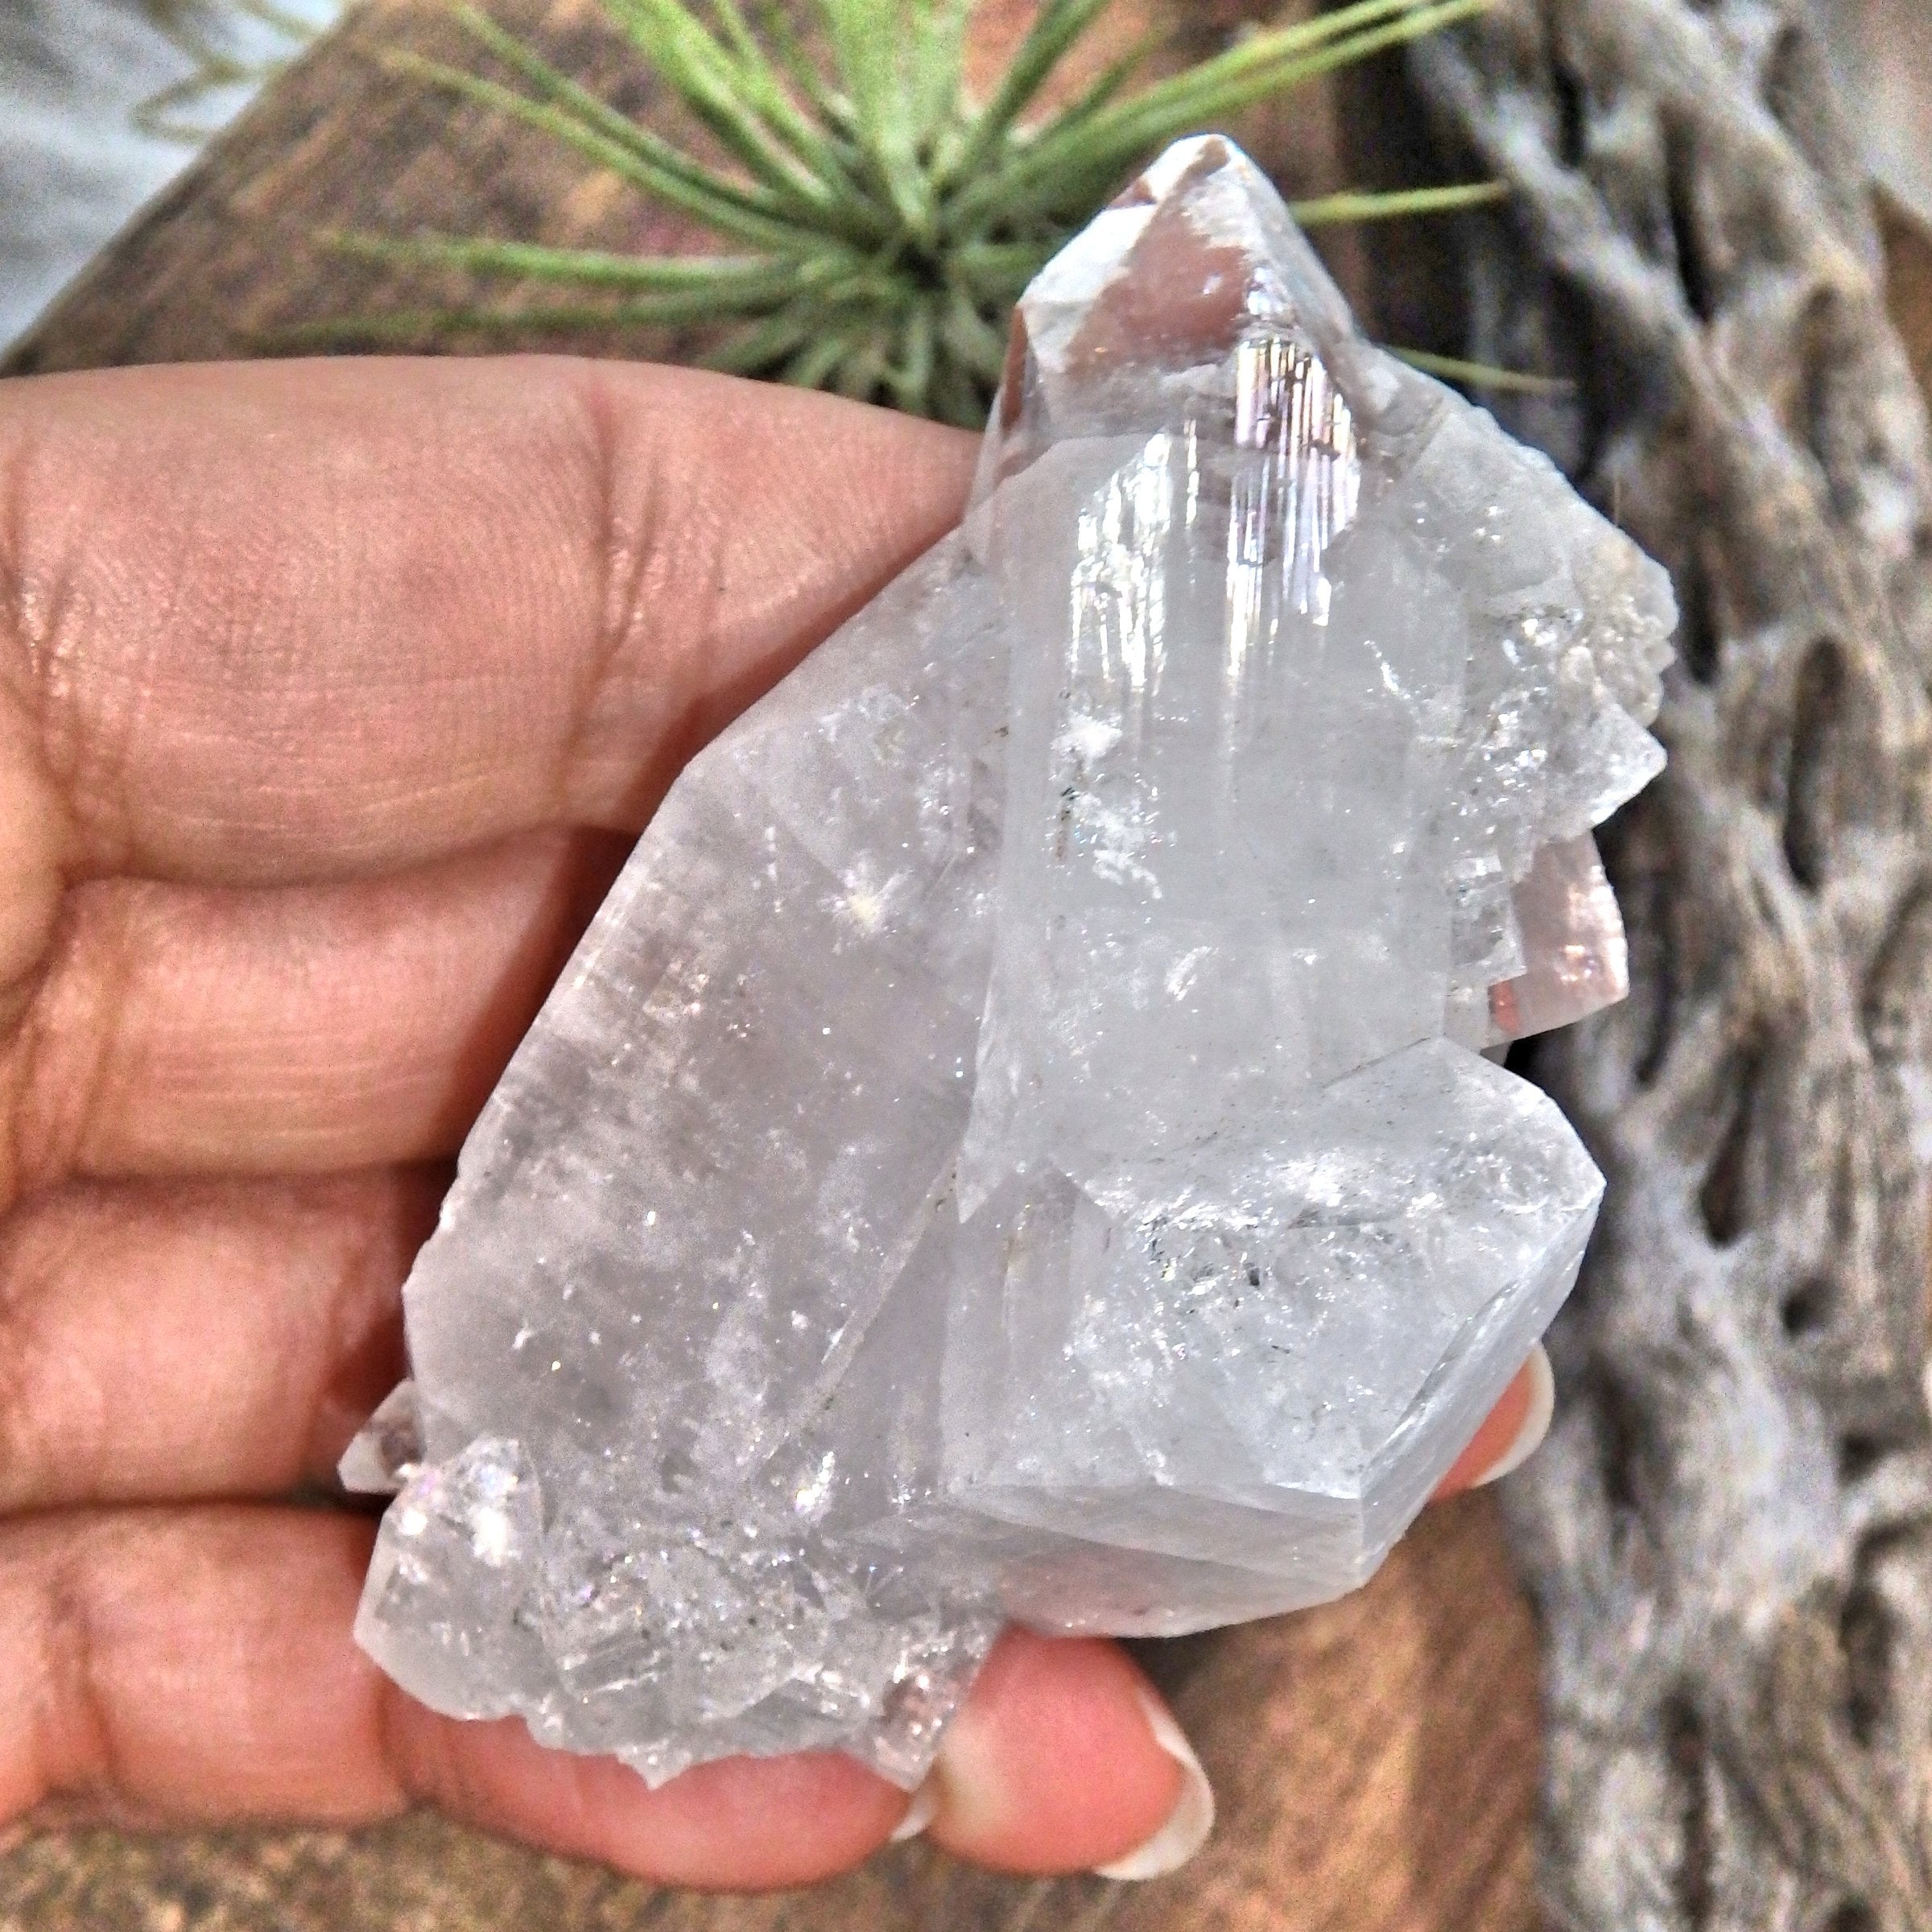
(1016,1142)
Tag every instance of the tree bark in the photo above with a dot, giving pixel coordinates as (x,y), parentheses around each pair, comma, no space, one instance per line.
(1729,1534)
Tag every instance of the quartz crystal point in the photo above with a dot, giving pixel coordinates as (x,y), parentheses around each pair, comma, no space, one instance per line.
(1015,1143)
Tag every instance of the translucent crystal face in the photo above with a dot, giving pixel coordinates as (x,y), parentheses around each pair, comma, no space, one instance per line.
(1013,1144)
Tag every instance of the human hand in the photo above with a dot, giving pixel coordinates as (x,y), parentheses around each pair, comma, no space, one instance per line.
(331,698)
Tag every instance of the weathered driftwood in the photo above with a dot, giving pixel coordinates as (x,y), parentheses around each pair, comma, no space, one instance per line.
(1730,1532)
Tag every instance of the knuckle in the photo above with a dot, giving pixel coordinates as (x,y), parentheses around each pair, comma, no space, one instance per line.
(46,615)
(21,1449)
(55,1069)
(35,836)
(655,572)
(52,1432)
(57,1744)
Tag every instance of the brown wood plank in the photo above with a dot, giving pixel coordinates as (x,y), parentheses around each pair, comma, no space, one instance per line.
(235,251)
(1376,1760)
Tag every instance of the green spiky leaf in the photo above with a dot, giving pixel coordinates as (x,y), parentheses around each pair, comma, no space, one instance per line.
(881,222)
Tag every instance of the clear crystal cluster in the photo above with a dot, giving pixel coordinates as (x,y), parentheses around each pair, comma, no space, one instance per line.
(1016,1143)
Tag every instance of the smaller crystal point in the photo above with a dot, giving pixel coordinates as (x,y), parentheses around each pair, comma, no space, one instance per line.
(386,1450)
(1576,961)
(1015,1142)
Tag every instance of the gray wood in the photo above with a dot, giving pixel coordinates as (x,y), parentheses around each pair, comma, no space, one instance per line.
(1375,1760)
(1730,1533)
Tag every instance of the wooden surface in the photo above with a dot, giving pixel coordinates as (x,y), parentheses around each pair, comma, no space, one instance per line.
(234,255)
(1375,1761)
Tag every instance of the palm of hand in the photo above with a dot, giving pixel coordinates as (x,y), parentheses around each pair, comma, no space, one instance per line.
(330,698)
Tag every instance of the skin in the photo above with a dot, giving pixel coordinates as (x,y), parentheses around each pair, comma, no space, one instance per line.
(331,696)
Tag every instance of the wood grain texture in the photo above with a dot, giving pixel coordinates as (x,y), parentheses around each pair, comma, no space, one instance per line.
(1729,1531)
(1375,1761)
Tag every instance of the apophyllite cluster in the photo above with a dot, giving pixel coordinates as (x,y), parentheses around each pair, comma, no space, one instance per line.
(1017,1143)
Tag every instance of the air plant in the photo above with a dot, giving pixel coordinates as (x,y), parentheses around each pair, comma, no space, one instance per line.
(876,224)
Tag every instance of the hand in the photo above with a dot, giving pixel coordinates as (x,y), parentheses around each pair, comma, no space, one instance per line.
(331,698)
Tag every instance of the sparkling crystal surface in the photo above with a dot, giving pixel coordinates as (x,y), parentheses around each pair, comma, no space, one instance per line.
(1015,1144)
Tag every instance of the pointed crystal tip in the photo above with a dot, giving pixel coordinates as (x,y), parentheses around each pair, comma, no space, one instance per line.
(1013,1144)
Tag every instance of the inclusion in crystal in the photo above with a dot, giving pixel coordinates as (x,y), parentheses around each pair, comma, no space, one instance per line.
(1015,1144)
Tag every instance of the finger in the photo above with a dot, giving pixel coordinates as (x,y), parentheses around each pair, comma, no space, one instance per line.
(161,1666)
(169,1341)
(737,1824)
(182,1029)
(163,1341)
(1057,1763)
(1510,1433)
(34,844)
(196,1666)
(289,620)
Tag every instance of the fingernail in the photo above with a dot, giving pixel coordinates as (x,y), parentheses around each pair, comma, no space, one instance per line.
(918,1813)
(1191,1818)
(1535,1424)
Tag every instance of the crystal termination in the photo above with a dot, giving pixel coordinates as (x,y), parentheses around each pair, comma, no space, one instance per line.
(1016,1142)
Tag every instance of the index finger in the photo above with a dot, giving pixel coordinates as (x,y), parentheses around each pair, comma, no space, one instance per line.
(296,621)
